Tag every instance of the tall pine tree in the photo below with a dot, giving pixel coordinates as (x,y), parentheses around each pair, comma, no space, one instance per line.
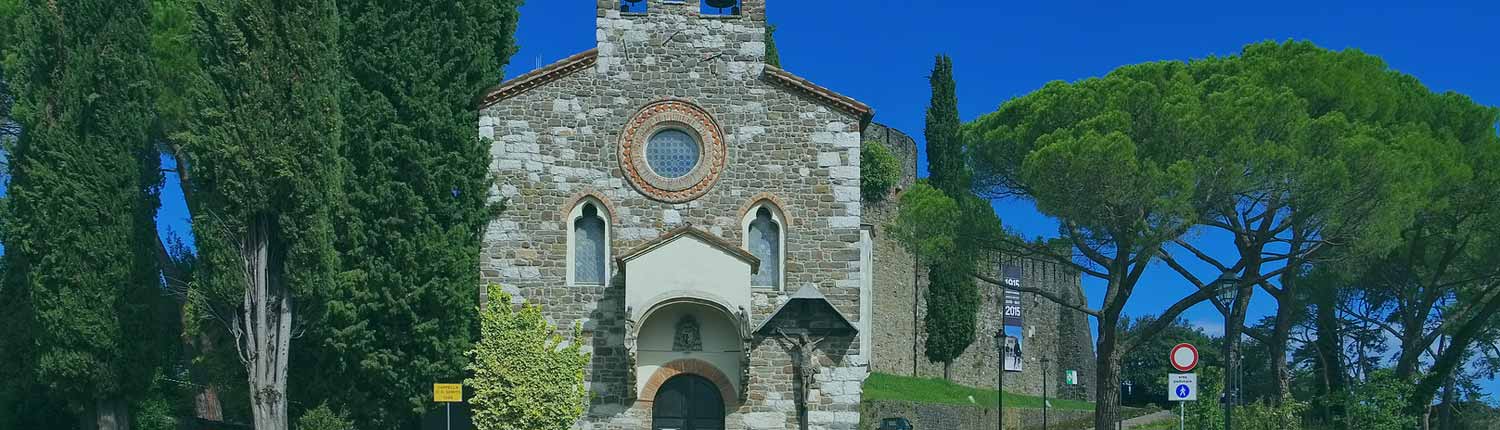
(261,156)
(81,286)
(416,190)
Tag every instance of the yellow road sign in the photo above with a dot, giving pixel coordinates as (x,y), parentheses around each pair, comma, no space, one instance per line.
(448,393)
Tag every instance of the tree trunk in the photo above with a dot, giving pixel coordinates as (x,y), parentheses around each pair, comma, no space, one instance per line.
(1445,415)
(266,327)
(948,370)
(1450,359)
(1330,357)
(1411,350)
(112,414)
(1107,372)
(206,404)
(1281,376)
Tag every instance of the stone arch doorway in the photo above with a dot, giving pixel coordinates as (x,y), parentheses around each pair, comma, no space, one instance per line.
(688,402)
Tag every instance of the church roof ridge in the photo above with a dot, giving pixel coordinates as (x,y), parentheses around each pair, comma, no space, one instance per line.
(536,78)
(846,103)
(585,59)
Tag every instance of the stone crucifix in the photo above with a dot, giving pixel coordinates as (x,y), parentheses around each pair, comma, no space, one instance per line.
(801,346)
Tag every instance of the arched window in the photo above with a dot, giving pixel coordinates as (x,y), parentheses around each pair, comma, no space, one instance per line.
(588,255)
(719,7)
(633,6)
(765,239)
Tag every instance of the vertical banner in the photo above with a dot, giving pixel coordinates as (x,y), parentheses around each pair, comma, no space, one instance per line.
(1011,315)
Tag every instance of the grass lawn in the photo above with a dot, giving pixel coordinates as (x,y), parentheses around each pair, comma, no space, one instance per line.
(1161,425)
(880,386)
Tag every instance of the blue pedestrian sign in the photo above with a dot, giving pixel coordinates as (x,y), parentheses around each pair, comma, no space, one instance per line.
(1182,387)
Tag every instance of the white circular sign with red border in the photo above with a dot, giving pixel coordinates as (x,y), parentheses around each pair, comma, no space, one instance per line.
(1184,357)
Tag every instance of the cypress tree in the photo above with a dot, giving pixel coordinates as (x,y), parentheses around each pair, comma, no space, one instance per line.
(81,286)
(261,155)
(952,298)
(773,57)
(416,190)
(946,168)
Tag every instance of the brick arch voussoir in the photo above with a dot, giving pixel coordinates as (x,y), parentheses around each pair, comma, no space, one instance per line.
(690,366)
(774,200)
(578,198)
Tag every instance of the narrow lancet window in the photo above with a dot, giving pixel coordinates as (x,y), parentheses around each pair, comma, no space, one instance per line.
(588,247)
(765,244)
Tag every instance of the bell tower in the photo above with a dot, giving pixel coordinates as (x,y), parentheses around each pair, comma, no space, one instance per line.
(680,39)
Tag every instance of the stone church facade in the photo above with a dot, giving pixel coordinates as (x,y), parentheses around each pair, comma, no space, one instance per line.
(696,214)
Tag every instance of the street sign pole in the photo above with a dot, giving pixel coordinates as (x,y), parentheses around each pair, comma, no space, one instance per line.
(448,394)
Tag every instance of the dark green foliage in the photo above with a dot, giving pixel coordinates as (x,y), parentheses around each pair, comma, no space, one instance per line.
(773,57)
(952,302)
(82,289)
(879,171)
(1146,367)
(946,166)
(176,60)
(415,193)
(9,11)
(262,145)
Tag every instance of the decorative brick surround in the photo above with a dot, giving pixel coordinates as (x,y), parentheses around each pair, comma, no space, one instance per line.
(689,366)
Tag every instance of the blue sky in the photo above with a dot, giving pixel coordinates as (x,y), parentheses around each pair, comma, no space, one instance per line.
(881,51)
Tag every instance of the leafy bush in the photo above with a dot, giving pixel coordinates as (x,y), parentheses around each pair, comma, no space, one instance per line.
(1377,404)
(323,418)
(526,377)
(1208,413)
(154,413)
(879,171)
(1260,416)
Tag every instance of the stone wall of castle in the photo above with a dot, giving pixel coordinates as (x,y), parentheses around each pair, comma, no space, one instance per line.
(900,284)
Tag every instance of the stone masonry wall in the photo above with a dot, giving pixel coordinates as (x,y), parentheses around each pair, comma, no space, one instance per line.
(899,306)
(557,142)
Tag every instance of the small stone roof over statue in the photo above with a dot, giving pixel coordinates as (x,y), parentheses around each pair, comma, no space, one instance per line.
(807,312)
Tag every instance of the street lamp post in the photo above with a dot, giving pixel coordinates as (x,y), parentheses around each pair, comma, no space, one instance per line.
(1228,296)
(1000,379)
(1045,383)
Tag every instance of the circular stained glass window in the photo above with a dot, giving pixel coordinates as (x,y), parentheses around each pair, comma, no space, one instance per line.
(672,153)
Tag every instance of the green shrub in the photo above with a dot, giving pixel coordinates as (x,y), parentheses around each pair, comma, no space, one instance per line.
(154,413)
(1377,404)
(1260,416)
(323,418)
(879,171)
(526,377)
(1208,414)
